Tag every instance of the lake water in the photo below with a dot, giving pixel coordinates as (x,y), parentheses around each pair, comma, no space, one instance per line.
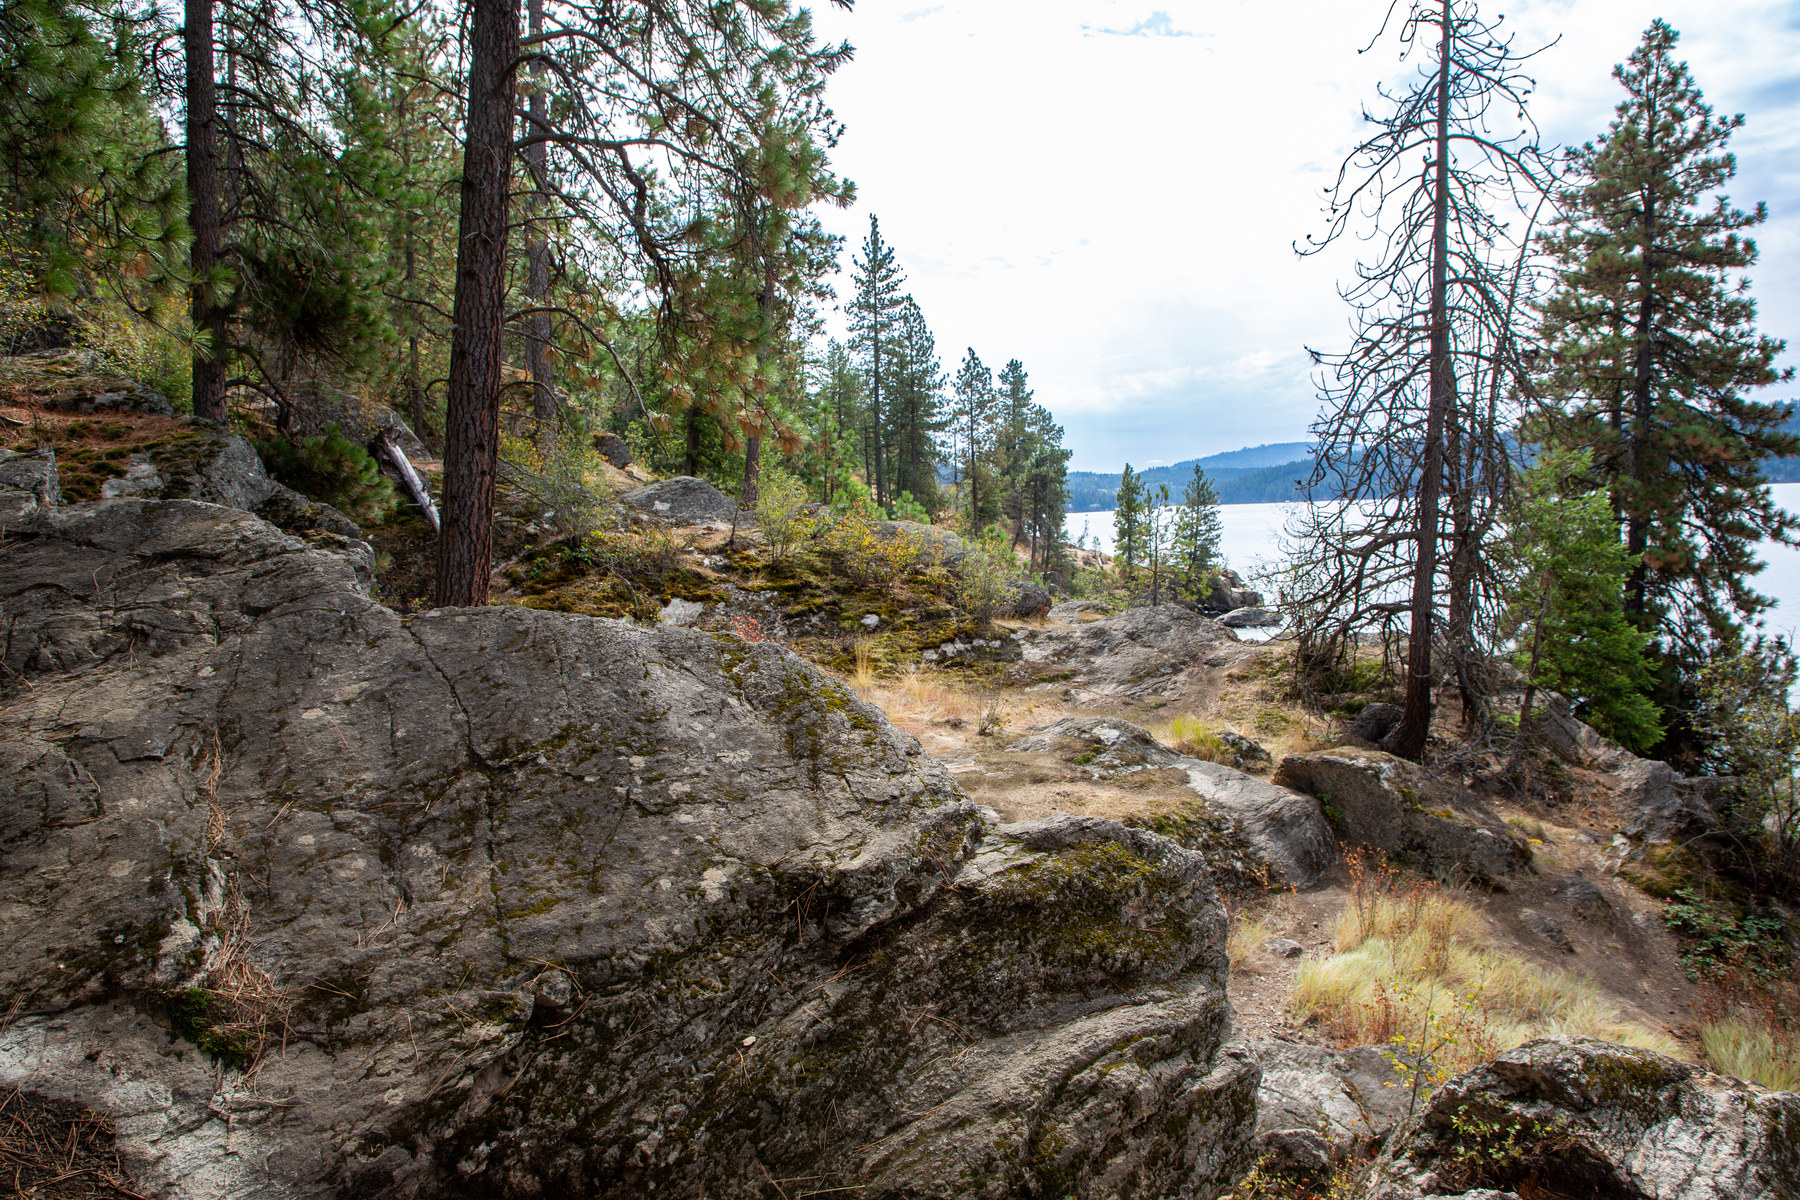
(1250,534)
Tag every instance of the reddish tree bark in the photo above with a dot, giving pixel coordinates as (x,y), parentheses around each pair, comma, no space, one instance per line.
(1408,738)
(472,416)
(203,211)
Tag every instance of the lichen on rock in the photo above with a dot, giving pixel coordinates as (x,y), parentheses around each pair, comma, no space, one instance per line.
(543,904)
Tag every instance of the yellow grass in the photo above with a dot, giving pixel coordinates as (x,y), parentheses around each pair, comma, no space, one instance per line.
(1417,968)
(918,695)
(1190,737)
(1752,1051)
(1247,933)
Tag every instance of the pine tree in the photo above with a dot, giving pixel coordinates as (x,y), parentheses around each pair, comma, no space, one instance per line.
(1014,445)
(1046,487)
(915,409)
(1130,525)
(1654,345)
(874,324)
(1447,192)
(973,421)
(1569,571)
(1195,549)
(86,184)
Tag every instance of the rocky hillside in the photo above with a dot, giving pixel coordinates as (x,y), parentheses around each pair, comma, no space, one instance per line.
(807,881)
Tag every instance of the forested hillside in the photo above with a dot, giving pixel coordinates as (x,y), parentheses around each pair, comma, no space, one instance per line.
(1257,475)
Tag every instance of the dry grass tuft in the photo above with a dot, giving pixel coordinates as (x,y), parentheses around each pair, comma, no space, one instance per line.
(1415,968)
(1754,1050)
(1247,934)
(1194,739)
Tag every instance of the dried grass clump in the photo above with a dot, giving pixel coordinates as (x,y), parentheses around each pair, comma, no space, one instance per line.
(1196,740)
(1762,1053)
(1247,933)
(1414,967)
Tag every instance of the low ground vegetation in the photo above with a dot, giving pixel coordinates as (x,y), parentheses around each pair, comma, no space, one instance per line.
(1415,968)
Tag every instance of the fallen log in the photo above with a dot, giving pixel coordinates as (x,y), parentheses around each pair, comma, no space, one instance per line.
(414,485)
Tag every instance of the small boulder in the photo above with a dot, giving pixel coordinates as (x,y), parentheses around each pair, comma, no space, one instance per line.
(1664,805)
(1589,903)
(683,500)
(1375,722)
(1254,617)
(613,449)
(1317,1105)
(1246,755)
(1548,928)
(1284,948)
(1028,599)
(1394,805)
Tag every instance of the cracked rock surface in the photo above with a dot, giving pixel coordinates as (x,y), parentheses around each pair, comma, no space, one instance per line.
(1572,1116)
(315,899)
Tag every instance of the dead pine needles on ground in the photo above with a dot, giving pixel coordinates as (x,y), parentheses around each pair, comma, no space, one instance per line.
(56,1150)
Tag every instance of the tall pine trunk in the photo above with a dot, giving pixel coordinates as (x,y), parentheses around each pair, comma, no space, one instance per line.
(747,495)
(1637,521)
(1408,738)
(203,211)
(472,416)
(537,248)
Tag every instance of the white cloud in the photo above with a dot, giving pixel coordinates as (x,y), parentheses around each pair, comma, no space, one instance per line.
(1118,212)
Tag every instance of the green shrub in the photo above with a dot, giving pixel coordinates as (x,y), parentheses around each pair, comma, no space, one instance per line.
(982,590)
(333,470)
(782,513)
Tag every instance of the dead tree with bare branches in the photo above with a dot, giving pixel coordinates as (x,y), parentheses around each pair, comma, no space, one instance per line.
(1412,456)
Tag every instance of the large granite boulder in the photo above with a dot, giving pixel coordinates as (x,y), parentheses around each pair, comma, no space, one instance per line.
(1573,1116)
(314,899)
(683,500)
(1285,828)
(1141,654)
(1375,799)
(207,465)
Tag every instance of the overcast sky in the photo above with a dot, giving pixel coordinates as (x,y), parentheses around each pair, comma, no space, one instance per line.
(1109,191)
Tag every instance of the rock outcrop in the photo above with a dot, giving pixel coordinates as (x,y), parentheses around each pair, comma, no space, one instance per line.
(1253,617)
(28,483)
(313,409)
(1577,1117)
(683,500)
(1317,1106)
(1286,829)
(1377,800)
(1142,653)
(503,902)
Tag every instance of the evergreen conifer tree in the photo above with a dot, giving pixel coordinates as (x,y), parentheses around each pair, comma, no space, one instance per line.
(874,323)
(1195,537)
(974,425)
(1653,345)
(1130,524)
(915,410)
(1570,572)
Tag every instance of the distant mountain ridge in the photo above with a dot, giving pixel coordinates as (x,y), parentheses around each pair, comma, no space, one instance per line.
(1254,475)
